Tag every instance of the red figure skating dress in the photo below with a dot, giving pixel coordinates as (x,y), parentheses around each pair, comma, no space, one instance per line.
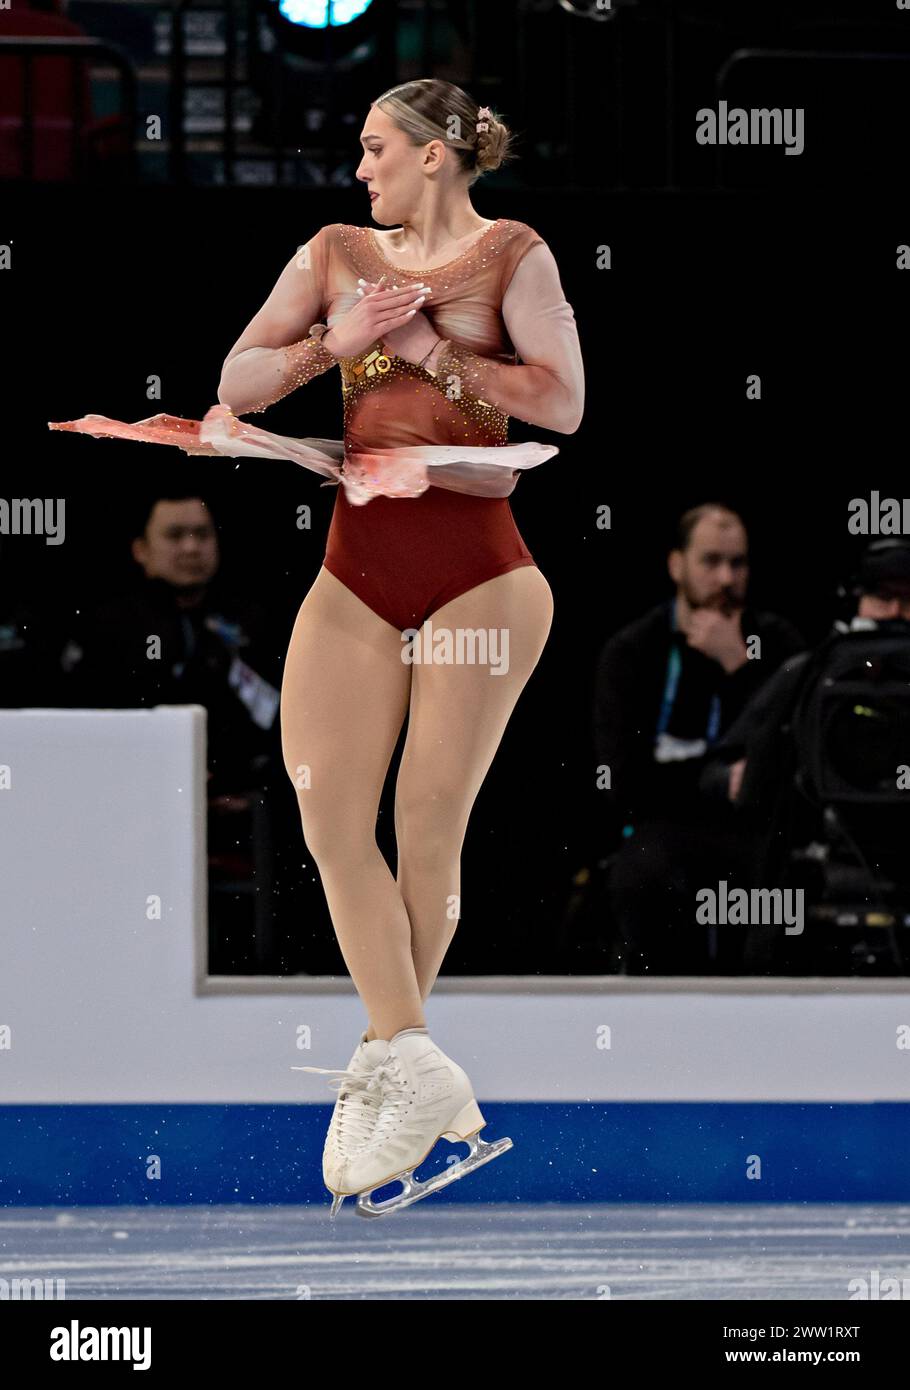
(428,451)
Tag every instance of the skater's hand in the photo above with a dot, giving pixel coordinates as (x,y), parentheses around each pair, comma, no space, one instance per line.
(414,339)
(380,310)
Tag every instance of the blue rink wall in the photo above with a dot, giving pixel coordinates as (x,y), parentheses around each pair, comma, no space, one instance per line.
(115,1045)
(626,1152)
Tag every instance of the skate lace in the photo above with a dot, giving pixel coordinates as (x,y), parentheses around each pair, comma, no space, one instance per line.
(354,1122)
(393,1095)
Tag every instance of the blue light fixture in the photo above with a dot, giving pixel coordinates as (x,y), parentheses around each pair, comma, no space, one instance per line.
(322,14)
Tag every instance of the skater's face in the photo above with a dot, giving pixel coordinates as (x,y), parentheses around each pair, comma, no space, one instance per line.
(713,570)
(180,544)
(395,170)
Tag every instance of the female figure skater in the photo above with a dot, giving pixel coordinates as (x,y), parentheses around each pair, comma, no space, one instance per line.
(426,323)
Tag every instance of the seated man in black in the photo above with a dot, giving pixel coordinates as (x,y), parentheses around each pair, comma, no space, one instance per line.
(667,687)
(176,637)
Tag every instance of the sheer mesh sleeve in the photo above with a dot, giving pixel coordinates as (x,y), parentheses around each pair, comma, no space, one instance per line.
(548,387)
(274,355)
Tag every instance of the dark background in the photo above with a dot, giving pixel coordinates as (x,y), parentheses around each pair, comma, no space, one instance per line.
(789,272)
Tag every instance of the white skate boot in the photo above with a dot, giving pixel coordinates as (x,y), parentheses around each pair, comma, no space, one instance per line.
(424,1096)
(355,1113)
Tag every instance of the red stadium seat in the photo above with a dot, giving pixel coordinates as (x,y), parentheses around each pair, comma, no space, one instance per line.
(54,105)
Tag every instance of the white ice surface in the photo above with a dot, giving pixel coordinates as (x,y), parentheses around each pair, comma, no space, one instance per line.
(458,1252)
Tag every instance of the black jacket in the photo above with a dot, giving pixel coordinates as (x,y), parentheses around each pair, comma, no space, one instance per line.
(629,695)
(756,734)
(111,667)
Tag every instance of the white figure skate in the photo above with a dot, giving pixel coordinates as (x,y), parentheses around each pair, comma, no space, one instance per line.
(355,1113)
(424,1097)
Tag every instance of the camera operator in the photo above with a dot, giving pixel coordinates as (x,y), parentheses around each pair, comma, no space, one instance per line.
(754,764)
(883,595)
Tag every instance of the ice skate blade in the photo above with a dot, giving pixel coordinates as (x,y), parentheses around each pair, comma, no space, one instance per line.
(412,1190)
(337,1199)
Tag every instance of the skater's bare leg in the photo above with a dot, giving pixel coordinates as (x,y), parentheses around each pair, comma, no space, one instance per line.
(458,714)
(344,697)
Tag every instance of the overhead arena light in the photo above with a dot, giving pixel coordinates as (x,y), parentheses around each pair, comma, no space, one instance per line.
(315,29)
(596,9)
(321,14)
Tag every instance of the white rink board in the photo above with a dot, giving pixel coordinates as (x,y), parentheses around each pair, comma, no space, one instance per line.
(107,808)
